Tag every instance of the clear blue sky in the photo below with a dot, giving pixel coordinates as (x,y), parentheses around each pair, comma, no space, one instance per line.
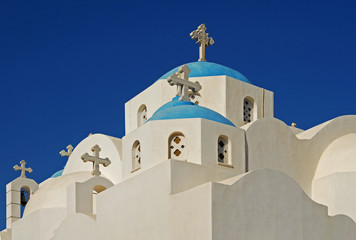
(68,67)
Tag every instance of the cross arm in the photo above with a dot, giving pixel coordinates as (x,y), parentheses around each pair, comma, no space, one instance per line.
(196,35)
(86,157)
(16,167)
(106,162)
(29,170)
(174,80)
(209,41)
(62,153)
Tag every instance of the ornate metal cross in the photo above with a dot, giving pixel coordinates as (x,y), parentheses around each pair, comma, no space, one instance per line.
(23,169)
(181,79)
(96,160)
(203,40)
(67,153)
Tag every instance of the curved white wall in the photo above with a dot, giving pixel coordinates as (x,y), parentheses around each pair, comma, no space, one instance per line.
(110,147)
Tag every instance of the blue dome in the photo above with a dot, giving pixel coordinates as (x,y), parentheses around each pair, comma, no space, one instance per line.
(203,69)
(57,174)
(176,109)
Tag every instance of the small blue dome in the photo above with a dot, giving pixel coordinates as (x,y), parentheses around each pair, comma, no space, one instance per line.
(57,174)
(204,69)
(176,109)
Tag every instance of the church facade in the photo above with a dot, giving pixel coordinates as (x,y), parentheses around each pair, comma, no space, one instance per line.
(202,158)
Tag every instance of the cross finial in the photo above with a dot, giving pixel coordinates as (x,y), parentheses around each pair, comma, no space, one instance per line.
(23,168)
(181,79)
(67,153)
(203,40)
(96,160)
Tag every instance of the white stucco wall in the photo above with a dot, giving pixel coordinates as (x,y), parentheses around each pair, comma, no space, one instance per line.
(271,144)
(142,208)
(38,225)
(237,91)
(334,183)
(262,204)
(339,156)
(201,143)
(267,204)
(110,147)
(53,194)
(79,227)
(222,94)
(337,191)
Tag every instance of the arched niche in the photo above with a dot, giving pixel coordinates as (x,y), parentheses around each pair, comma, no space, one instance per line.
(223,147)
(177,147)
(141,115)
(248,110)
(136,155)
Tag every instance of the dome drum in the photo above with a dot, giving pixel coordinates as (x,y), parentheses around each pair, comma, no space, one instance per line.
(155,139)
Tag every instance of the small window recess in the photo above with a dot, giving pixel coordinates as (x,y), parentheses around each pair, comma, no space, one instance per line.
(141,115)
(136,156)
(223,157)
(24,198)
(248,110)
(177,147)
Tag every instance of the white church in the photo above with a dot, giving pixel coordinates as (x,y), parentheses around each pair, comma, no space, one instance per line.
(202,158)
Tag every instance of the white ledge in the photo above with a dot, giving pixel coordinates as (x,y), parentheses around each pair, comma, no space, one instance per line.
(225,165)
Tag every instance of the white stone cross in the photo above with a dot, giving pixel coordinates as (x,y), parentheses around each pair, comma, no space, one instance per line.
(23,169)
(203,40)
(67,153)
(96,160)
(181,79)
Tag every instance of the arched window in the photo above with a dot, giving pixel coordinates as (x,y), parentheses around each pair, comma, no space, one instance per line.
(177,147)
(248,110)
(24,198)
(142,115)
(223,150)
(136,156)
